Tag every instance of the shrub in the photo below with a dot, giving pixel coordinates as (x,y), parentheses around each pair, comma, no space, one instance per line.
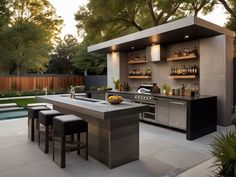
(224,149)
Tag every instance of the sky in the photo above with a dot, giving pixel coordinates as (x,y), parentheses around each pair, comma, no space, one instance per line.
(67,8)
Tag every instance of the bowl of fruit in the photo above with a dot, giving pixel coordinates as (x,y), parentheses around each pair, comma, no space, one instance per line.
(115,99)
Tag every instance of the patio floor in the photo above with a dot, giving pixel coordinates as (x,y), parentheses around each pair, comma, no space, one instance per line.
(163,152)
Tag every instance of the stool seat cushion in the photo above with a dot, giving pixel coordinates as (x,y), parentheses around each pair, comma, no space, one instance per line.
(69,124)
(46,117)
(33,111)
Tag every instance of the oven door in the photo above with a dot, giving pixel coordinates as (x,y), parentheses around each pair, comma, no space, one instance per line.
(150,115)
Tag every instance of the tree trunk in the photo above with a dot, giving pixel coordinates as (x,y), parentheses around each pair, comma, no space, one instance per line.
(18,70)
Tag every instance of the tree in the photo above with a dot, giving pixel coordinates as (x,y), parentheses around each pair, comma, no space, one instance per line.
(91,62)
(39,12)
(194,7)
(61,58)
(102,20)
(230,6)
(23,48)
(33,27)
(4,13)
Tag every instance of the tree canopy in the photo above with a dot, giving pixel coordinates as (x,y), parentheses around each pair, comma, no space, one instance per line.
(231,23)
(4,13)
(91,62)
(61,58)
(32,28)
(23,48)
(103,20)
(39,12)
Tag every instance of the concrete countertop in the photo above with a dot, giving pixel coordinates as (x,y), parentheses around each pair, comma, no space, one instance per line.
(183,98)
(96,108)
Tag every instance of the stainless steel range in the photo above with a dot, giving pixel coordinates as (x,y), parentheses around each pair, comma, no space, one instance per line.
(144,97)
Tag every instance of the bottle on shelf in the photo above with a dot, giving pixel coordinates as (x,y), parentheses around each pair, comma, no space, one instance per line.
(172,71)
(184,70)
(149,72)
(194,51)
(195,70)
(185,52)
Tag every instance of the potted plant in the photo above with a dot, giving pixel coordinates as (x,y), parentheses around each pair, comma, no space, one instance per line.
(116,82)
(224,151)
(166,89)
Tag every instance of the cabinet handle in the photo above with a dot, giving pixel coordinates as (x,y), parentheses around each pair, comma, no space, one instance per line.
(179,103)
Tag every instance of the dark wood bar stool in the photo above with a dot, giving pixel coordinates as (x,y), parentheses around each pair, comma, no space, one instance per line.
(63,126)
(44,133)
(33,113)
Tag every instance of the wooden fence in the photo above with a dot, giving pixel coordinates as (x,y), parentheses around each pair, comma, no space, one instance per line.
(32,82)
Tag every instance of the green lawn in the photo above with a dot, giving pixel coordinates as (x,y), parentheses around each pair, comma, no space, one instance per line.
(20,102)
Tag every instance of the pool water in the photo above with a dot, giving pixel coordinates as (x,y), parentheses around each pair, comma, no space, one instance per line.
(13,114)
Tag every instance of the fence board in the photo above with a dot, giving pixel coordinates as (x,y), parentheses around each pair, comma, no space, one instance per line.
(33,82)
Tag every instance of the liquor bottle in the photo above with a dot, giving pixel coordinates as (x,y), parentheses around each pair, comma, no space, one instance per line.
(149,72)
(144,58)
(184,70)
(172,71)
(181,70)
(194,51)
(189,70)
(185,52)
(195,70)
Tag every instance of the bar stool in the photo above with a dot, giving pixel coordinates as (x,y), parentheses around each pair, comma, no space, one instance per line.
(33,120)
(46,119)
(63,126)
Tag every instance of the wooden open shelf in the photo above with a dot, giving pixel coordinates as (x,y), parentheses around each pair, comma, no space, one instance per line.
(183,77)
(136,62)
(182,58)
(139,77)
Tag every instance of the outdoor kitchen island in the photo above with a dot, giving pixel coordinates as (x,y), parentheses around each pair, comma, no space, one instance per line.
(113,130)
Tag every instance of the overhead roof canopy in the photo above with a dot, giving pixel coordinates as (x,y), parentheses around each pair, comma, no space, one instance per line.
(186,29)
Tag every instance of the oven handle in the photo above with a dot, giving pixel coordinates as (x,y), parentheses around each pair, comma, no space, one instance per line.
(179,103)
(149,113)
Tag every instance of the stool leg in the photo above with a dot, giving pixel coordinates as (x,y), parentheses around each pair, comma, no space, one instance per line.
(63,152)
(53,145)
(31,129)
(87,145)
(46,148)
(39,137)
(78,140)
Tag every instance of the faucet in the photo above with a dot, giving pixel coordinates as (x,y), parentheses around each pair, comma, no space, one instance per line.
(72,92)
(45,89)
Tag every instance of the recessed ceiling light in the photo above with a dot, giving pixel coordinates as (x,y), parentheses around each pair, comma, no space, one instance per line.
(186,36)
(132,47)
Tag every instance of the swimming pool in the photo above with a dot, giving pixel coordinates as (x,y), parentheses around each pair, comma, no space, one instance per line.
(13,114)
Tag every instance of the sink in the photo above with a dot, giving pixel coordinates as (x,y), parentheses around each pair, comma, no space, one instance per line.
(87,99)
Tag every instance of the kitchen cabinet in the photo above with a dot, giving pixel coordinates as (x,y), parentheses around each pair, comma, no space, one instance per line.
(177,114)
(156,53)
(162,112)
(171,113)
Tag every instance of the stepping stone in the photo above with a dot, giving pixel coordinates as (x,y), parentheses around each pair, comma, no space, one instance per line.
(7,105)
(11,109)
